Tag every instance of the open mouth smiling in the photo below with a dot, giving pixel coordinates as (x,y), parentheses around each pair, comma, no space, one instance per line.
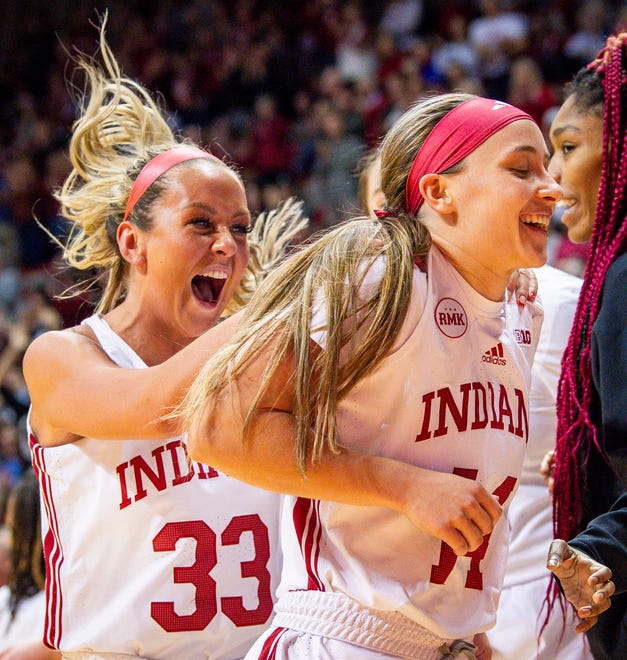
(208,286)
(539,220)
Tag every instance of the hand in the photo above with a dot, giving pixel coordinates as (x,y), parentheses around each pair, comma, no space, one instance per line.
(484,649)
(547,469)
(456,510)
(586,583)
(524,285)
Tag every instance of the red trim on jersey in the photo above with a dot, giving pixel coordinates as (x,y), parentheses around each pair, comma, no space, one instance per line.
(306,516)
(53,552)
(268,651)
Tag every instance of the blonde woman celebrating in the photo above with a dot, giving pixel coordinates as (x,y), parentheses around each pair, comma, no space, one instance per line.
(393,338)
(147,554)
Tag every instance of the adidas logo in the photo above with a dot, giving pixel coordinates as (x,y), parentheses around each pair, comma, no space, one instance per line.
(494,355)
(499,104)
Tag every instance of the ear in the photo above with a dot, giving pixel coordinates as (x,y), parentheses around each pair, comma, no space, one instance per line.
(434,189)
(131,244)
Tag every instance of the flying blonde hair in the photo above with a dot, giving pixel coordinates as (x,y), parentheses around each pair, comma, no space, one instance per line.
(332,267)
(120,128)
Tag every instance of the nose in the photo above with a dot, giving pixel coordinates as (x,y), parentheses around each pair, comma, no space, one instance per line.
(549,188)
(554,168)
(224,243)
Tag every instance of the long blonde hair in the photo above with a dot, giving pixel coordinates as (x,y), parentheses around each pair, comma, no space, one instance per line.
(119,129)
(333,265)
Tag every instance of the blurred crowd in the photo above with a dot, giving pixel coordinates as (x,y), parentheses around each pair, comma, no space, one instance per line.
(293,93)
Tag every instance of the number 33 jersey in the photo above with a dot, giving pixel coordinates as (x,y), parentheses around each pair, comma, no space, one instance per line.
(451,396)
(149,554)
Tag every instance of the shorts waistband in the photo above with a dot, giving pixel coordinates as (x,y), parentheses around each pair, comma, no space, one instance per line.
(97,655)
(340,617)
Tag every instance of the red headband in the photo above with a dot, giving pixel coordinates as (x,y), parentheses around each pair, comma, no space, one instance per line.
(155,167)
(456,135)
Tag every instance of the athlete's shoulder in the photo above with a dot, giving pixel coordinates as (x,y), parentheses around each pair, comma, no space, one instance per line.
(56,345)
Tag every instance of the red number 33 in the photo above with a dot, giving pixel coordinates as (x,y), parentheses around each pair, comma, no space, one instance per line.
(198,574)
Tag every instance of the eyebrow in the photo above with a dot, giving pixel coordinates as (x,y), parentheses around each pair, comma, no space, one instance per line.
(200,205)
(210,209)
(567,127)
(527,148)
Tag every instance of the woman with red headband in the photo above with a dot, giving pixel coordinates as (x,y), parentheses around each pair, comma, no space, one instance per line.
(147,554)
(393,337)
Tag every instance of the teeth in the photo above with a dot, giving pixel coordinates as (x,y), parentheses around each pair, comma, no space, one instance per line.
(215,274)
(541,220)
(566,203)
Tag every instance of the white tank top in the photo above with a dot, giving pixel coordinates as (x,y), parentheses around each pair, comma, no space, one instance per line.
(452,396)
(149,557)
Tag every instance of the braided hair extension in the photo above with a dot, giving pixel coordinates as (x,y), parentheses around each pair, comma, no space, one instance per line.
(599,87)
(576,434)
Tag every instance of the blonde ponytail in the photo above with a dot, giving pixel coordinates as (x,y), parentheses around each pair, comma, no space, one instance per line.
(332,268)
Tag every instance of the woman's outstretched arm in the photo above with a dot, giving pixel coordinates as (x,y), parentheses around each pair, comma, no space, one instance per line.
(76,390)
(451,508)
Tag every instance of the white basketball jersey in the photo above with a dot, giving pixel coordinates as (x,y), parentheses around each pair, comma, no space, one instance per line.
(147,554)
(531,511)
(28,623)
(452,396)
(522,609)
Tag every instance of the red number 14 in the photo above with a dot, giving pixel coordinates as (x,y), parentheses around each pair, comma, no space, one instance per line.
(474,579)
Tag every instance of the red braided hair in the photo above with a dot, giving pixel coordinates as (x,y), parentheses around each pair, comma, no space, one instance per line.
(576,434)
(601,86)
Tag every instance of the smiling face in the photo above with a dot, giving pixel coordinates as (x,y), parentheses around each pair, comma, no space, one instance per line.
(497,208)
(196,250)
(577,140)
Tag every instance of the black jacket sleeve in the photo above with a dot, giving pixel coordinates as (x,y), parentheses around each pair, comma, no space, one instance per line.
(609,369)
(605,539)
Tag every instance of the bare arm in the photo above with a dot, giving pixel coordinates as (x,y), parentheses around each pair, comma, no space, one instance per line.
(451,508)
(29,651)
(76,390)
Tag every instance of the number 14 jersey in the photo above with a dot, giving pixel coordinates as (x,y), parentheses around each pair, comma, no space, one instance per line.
(451,396)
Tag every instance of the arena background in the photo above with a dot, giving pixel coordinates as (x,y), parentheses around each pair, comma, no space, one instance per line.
(294,93)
